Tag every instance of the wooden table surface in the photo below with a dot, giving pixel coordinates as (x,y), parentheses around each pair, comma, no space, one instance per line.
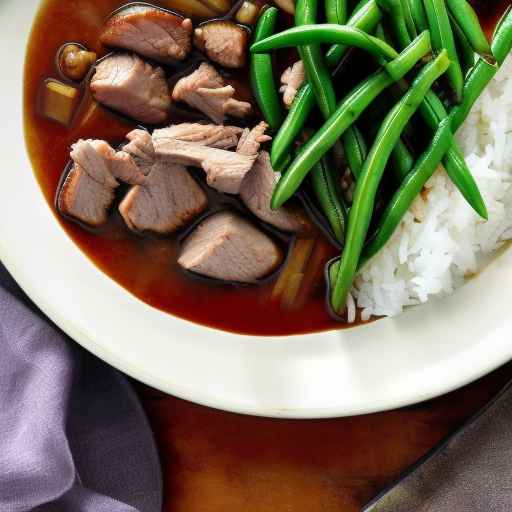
(215,461)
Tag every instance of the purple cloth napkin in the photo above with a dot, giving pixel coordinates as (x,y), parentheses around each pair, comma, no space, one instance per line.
(73,436)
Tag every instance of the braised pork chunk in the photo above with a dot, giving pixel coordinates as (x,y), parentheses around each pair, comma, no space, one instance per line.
(169,200)
(205,90)
(223,42)
(124,82)
(256,193)
(149,31)
(227,247)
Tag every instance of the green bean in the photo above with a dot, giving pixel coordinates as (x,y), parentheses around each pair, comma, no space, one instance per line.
(466,52)
(282,164)
(418,15)
(319,78)
(326,33)
(316,71)
(293,123)
(401,158)
(409,20)
(262,73)
(371,175)
(359,6)
(409,190)
(356,149)
(402,161)
(433,112)
(336,11)
(467,19)
(365,19)
(442,37)
(403,197)
(397,19)
(347,112)
(323,179)
(408,58)
(483,72)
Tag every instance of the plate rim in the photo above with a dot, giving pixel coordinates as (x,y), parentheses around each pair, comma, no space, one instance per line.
(100,349)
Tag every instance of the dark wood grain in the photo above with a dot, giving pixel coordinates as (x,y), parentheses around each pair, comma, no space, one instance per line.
(215,461)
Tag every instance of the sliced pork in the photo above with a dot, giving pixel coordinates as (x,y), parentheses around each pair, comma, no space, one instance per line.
(292,80)
(204,90)
(140,147)
(104,164)
(226,246)
(213,135)
(250,140)
(169,200)
(84,198)
(224,170)
(88,190)
(223,42)
(256,193)
(149,31)
(126,83)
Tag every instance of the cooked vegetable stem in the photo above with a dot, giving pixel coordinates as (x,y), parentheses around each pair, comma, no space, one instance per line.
(296,263)
(442,38)
(316,70)
(396,17)
(356,150)
(418,15)
(347,112)
(483,72)
(371,175)
(318,76)
(328,193)
(409,189)
(466,52)
(336,11)
(466,18)
(262,73)
(326,33)
(365,18)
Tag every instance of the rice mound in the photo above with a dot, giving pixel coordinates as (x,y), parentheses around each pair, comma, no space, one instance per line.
(441,240)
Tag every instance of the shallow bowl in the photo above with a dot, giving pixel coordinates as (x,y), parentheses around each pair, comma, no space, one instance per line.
(427,351)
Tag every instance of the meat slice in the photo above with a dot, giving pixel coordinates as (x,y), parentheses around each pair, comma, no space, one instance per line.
(224,170)
(213,135)
(149,31)
(223,42)
(84,198)
(256,193)
(126,83)
(225,246)
(204,90)
(169,200)
(141,149)
(250,140)
(88,190)
(292,80)
(104,164)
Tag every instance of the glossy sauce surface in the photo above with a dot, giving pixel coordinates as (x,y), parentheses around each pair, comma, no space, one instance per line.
(146,266)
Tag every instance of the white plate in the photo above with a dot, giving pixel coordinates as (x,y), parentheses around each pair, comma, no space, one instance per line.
(426,352)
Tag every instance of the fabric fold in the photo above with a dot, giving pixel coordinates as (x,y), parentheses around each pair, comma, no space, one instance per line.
(73,436)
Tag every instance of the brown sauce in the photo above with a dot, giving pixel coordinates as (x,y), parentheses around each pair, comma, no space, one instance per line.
(146,266)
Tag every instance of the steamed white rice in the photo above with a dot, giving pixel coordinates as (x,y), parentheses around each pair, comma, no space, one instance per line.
(441,240)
